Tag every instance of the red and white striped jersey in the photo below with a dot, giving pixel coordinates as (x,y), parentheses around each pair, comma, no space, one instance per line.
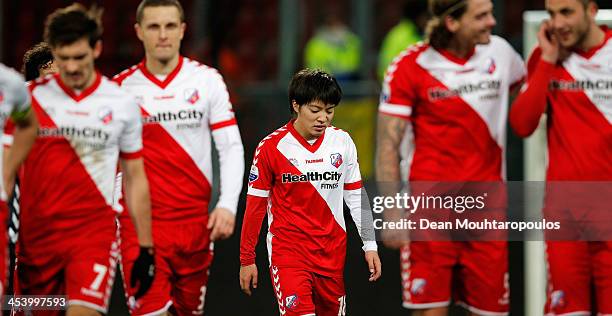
(457,108)
(14,97)
(577,97)
(69,175)
(302,187)
(180,113)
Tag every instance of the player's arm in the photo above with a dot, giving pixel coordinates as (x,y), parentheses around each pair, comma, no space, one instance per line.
(24,133)
(354,197)
(531,103)
(258,194)
(228,143)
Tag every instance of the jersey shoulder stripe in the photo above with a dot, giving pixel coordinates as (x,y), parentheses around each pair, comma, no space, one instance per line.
(120,77)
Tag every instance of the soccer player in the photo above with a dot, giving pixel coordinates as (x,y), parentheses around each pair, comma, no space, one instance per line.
(300,175)
(569,81)
(14,103)
(183,104)
(67,243)
(451,96)
(38,62)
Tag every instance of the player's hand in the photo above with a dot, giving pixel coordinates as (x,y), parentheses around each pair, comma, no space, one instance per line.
(221,223)
(248,277)
(548,42)
(143,271)
(374,265)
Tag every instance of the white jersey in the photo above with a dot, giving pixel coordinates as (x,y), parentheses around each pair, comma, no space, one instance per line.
(14,97)
(69,174)
(180,113)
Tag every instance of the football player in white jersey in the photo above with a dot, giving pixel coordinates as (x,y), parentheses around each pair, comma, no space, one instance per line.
(450,95)
(67,243)
(183,104)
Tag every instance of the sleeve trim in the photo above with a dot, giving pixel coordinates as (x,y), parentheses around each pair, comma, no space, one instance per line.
(353,186)
(223,124)
(129,156)
(395,109)
(259,193)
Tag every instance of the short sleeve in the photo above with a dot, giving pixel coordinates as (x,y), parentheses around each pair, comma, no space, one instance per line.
(221,112)
(130,141)
(352,180)
(261,177)
(398,91)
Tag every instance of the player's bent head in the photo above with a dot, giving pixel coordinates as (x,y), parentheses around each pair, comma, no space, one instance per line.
(465,21)
(67,25)
(37,61)
(158,3)
(310,85)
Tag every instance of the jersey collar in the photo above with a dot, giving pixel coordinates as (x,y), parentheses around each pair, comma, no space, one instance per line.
(169,78)
(455,59)
(312,148)
(593,50)
(85,93)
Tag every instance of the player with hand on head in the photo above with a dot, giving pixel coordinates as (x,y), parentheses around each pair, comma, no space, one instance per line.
(67,243)
(566,70)
(183,103)
(450,97)
(301,174)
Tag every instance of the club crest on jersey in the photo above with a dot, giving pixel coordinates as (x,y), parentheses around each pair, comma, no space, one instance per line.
(253,174)
(489,66)
(557,299)
(1,96)
(191,95)
(336,160)
(291,301)
(294,162)
(418,286)
(105,115)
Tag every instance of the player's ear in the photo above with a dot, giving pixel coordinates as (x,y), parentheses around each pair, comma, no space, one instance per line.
(138,30)
(296,107)
(183,27)
(97,49)
(591,9)
(451,24)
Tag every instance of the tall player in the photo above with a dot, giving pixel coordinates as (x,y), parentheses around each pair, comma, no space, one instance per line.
(67,243)
(569,80)
(183,104)
(300,175)
(14,103)
(451,96)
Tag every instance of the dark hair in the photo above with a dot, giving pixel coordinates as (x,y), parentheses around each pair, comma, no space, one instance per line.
(67,25)
(437,34)
(158,3)
(309,85)
(412,9)
(34,59)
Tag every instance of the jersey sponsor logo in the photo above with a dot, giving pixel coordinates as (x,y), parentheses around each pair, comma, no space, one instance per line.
(191,95)
(578,85)
(253,174)
(291,301)
(74,132)
(105,115)
(442,93)
(418,286)
(181,115)
(308,161)
(336,160)
(557,299)
(311,177)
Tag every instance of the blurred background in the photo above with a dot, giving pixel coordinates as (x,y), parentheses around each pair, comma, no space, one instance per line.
(257,45)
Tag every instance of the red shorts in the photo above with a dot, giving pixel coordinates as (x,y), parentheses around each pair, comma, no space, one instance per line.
(80,264)
(303,293)
(473,274)
(183,254)
(574,269)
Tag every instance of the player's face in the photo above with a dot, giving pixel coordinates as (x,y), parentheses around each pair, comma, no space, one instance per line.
(161,32)
(47,69)
(570,20)
(313,118)
(75,62)
(476,24)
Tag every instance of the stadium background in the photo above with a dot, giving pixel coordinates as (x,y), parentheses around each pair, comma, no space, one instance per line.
(257,45)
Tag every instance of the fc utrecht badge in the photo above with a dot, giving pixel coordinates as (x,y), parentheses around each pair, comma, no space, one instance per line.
(336,160)
(191,95)
(489,66)
(291,301)
(1,96)
(105,115)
